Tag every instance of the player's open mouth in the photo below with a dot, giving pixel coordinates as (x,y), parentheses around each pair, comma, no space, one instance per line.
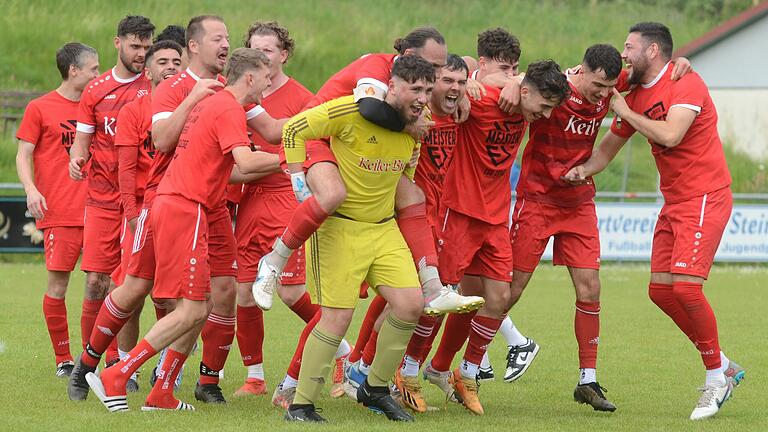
(451,99)
(417,109)
(223,56)
(168,74)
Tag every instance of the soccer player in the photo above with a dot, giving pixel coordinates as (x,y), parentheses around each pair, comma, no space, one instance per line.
(475,234)
(57,203)
(361,241)
(213,139)
(94,141)
(208,46)
(680,122)
(323,190)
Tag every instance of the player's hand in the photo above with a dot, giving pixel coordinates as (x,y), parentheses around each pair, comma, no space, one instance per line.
(300,186)
(36,204)
(204,88)
(682,67)
(618,104)
(475,89)
(421,126)
(414,157)
(132,224)
(76,165)
(510,96)
(576,176)
(462,112)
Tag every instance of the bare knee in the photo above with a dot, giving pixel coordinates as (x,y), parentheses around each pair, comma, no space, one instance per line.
(223,295)
(290,294)
(327,186)
(408,194)
(245,295)
(96,285)
(57,284)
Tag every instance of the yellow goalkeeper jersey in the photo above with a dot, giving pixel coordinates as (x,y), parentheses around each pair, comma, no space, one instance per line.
(371,159)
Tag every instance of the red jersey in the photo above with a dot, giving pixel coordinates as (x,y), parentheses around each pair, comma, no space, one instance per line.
(477,182)
(49,123)
(562,141)
(133,130)
(697,165)
(97,115)
(434,158)
(374,69)
(285,102)
(203,161)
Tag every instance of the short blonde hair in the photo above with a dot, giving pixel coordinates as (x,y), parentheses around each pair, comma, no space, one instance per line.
(243,60)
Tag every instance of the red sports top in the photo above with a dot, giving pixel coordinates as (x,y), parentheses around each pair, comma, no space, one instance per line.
(203,161)
(49,123)
(133,131)
(697,165)
(477,181)
(97,114)
(374,69)
(560,142)
(436,153)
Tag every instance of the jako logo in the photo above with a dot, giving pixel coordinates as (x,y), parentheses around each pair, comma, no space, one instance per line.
(108,97)
(681,264)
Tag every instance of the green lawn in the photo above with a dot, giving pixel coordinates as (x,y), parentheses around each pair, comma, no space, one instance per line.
(648,366)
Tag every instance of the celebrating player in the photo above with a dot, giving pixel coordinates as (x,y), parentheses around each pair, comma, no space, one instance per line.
(56,202)
(680,122)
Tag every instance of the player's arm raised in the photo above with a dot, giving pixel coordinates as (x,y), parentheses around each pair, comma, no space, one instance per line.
(166,127)
(668,132)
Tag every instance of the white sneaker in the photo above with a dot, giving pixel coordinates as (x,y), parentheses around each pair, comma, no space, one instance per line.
(712,398)
(440,379)
(267,281)
(449,301)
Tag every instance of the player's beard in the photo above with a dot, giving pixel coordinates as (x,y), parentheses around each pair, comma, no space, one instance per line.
(403,111)
(637,71)
(129,64)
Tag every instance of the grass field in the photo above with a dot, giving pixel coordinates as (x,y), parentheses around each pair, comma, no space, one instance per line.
(648,366)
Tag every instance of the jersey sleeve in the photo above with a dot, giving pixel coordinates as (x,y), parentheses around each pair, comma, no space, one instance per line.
(372,78)
(231,129)
(688,92)
(324,120)
(127,133)
(86,116)
(31,125)
(164,101)
(622,84)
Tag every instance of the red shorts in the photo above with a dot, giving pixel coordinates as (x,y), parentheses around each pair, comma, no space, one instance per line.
(262,217)
(577,239)
(474,247)
(221,243)
(317,151)
(688,233)
(181,237)
(101,239)
(141,261)
(62,247)
(126,241)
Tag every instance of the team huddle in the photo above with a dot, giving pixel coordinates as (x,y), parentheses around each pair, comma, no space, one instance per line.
(207,179)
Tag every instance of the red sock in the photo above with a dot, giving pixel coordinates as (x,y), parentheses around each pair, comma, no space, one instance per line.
(112,355)
(88,318)
(371,315)
(161,395)
(421,335)
(482,331)
(413,224)
(427,346)
(55,313)
(454,336)
(115,377)
(217,335)
(586,325)
(160,312)
(304,307)
(109,321)
(369,352)
(700,314)
(662,296)
(306,219)
(295,366)
(250,334)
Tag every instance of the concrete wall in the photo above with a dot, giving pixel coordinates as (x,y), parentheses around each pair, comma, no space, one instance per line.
(743,120)
(739,61)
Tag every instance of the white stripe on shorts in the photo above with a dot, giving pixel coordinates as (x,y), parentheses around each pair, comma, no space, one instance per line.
(197,227)
(703,205)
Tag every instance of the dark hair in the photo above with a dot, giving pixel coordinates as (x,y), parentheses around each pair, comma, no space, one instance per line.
(548,79)
(195,27)
(655,33)
(136,25)
(160,45)
(498,44)
(413,68)
(243,60)
(72,54)
(418,38)
(174,33)
(271,28)
(605,57)
(456,63)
